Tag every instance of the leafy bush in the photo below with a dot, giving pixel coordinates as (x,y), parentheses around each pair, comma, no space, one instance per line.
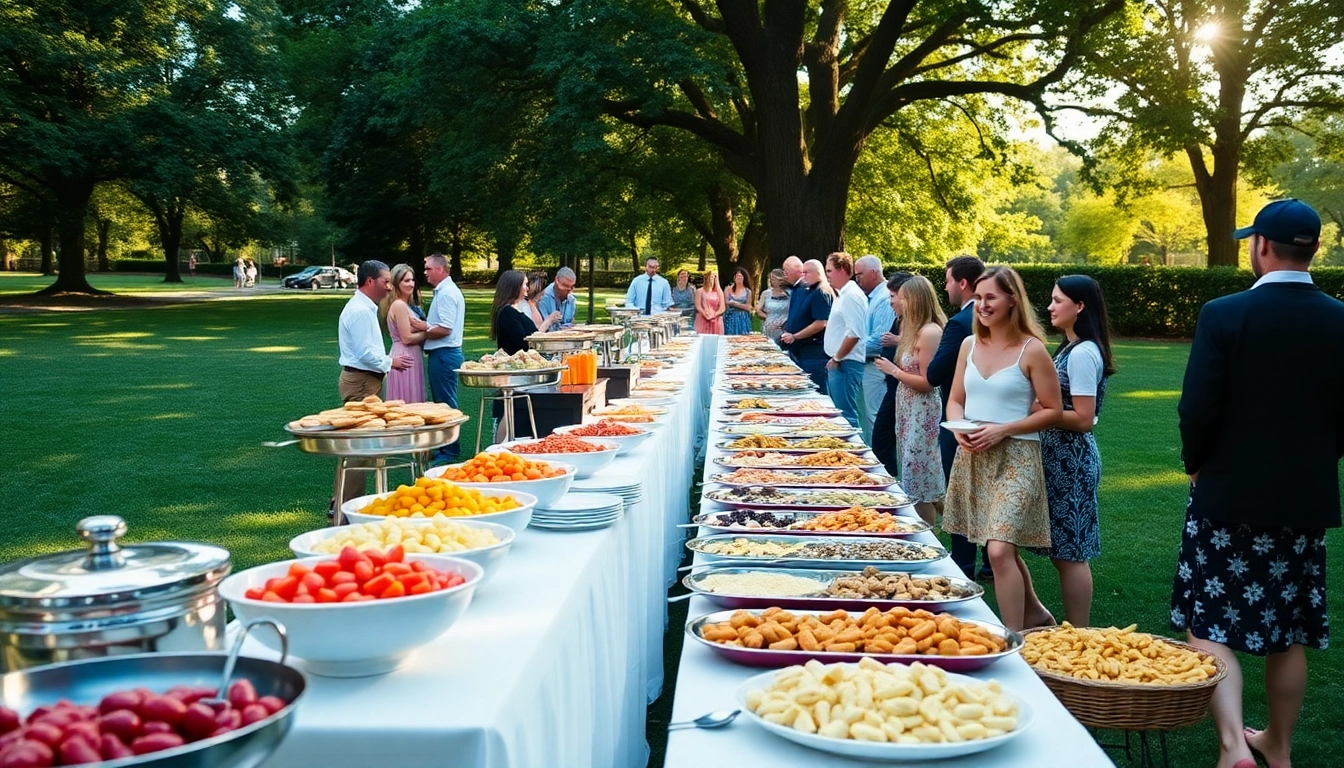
(1160,302)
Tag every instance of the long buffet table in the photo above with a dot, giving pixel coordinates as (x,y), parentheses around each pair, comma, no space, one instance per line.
(706,683)
(559,653)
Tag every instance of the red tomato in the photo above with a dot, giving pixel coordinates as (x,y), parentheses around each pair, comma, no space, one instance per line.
(9,720)
(120,700)
(74,751)
(156,742)
(26,753)
(254,713)
(242,693)
(122,722)
(273,704)
(364,571)
(199,721)
(44,732)
(156,726)
(113,748)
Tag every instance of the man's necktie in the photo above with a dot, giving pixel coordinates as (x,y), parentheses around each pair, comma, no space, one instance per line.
(648,298)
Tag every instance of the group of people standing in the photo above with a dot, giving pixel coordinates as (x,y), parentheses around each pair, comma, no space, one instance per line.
(244,271)
(1026,475)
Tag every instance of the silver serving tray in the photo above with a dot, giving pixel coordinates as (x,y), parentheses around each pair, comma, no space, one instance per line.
(765,657)
(796,498)
(706,521)
(727,461)
(86,682)
(858,448)
(618,312)
(885,482)
(542,342)
(822,601)
(377,442)
(782,411)
(603,332)
(533,377)
(792,371)
(761,391)
(697,545)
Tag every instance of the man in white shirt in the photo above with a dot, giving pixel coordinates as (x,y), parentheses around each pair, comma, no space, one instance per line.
(364,363)
(559,297)
(443,341)
(649,291)
(868,274)
(846,330)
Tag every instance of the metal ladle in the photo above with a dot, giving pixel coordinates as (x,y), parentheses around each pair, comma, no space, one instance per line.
(712,720)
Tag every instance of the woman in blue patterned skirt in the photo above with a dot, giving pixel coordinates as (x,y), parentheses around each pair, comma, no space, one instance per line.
(1069,451)
(737,319)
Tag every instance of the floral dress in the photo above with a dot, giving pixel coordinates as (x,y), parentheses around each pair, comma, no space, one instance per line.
(737,322)
(1072,467)
(917,417)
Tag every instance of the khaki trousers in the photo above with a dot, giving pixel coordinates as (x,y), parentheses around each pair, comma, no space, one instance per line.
(357,385)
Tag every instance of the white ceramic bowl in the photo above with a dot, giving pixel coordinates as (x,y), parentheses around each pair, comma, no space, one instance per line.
(516,518)
(355,639)
(585,464)
(627,443)
(547,491)
(489,558)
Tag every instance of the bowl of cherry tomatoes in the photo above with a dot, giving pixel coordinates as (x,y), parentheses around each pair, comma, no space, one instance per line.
(360,613)
(547,480)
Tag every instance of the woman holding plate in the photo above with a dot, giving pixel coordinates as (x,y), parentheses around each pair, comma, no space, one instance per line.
(996,493)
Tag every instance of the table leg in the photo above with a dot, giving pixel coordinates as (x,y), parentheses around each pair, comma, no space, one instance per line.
(380,475)
(480,421)
(337,518)
(531,416)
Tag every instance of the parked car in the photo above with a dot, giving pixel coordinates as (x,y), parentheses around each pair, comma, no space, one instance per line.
(313,278)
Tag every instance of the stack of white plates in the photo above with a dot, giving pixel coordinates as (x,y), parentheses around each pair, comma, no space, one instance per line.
(630,491)
(579,512)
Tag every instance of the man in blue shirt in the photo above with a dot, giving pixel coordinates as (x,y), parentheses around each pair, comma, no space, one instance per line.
(805,329)
(443,341)
(868,273)
(559,297)
(649,291)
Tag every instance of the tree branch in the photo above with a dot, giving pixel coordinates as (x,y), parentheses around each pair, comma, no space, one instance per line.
(700,17)
(711,130)
(698,99)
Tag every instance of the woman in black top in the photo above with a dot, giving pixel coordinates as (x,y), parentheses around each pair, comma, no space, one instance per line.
(509,327)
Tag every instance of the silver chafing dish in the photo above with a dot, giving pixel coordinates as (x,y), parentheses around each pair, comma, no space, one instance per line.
(110,600)
(609,340)
(375,442)
(620,314)
(560,341)
(523,377)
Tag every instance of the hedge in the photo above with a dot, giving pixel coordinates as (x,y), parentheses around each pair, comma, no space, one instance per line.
(1161,302)
(1158,302)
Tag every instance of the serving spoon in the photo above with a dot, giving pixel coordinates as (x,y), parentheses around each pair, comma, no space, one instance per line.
(712,720)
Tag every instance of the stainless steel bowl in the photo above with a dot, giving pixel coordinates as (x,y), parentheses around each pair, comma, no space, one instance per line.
(87,682)
(622,313)
(380,442)
(567,342)
(533,377)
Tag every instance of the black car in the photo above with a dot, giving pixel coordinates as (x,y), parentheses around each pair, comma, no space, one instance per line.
(313,278)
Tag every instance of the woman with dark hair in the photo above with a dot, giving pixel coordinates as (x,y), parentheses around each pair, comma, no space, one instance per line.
(510,326)
(737,319)
(1068,450)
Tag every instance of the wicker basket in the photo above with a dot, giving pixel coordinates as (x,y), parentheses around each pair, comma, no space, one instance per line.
(1130,706)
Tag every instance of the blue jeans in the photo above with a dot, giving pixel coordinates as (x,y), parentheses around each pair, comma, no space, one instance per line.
(443,388)
(844,384)
(814,365)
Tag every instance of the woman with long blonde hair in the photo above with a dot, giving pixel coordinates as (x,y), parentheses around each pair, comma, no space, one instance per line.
(919,404)
(996,494)
(709,306)
(773,306)
(407,330)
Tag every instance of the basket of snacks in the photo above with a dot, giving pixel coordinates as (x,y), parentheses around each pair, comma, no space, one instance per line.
(1123,679)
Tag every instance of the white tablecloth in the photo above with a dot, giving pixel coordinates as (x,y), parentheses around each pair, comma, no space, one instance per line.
(706,683)
(556,658)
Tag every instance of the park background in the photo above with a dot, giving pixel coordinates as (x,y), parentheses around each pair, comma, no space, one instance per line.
(1123,139)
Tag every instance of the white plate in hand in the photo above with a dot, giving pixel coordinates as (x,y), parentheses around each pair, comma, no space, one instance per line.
(960,425)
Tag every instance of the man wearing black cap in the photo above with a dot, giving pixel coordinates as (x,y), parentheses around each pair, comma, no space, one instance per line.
(1262,433)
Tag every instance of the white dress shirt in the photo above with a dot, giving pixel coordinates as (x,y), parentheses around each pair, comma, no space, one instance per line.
(848,320)
(447,310)
(360,338)
(639,289)
(1284,276)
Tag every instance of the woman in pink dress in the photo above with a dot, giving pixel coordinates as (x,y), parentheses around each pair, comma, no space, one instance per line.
(407,330)
(709,306)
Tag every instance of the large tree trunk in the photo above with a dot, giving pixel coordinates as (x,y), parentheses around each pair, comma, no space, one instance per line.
(72,208)
(723,232)
(755,254)
(170,234)
(1218,187)
(455,253)
(634,252)
(508,249)
(104,229)
(46,240)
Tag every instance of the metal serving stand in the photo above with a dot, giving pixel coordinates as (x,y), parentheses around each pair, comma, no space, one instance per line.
(620,314)
(352,447)
(607,339)
(510,385)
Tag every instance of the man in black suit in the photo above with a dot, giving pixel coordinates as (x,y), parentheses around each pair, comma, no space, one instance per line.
(1262,433)
(962,272)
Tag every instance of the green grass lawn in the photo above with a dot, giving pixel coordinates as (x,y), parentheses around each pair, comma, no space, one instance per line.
(159,415)
(119,282)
